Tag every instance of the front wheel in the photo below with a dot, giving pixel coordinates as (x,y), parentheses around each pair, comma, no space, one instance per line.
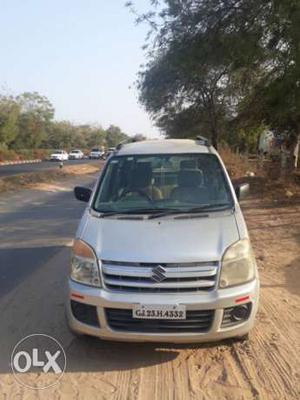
(241,339)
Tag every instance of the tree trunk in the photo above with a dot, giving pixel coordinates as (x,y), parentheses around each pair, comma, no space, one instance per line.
(214,138)
(208,100)
(296,152)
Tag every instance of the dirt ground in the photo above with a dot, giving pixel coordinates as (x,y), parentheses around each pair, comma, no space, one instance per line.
(265,367)
(35,179)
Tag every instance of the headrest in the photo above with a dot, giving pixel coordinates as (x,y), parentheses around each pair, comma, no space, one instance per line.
(188,164)
(141,175)
(190,178)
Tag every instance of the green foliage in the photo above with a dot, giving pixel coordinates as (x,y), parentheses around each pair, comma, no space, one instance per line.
(222,67)
(9,111)
(33,121)
(27,122)
(114,136)
(244,140)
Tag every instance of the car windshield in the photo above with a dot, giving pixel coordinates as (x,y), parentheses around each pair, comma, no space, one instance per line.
(95,150)
(152,183)
(57,152)
(75,151)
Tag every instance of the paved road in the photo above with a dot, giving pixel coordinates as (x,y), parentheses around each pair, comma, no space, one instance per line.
(9,170)
(36,231)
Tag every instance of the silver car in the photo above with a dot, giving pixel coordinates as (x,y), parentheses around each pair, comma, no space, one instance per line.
(162,251)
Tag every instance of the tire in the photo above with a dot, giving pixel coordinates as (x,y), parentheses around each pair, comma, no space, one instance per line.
(241,339)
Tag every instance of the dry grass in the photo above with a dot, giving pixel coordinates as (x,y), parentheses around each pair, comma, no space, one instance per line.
(30,180)
(238,165)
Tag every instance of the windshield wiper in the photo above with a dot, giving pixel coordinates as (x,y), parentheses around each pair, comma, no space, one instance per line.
(136,211)
(194,210)
(105,214)
(162,212)
(210,207)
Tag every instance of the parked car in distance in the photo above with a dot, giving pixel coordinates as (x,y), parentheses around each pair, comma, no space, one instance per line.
(76,155)
(109,151)
(96,154)
(59,155)
(162,252)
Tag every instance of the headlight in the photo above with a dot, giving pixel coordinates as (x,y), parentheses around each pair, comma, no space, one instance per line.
(238,264)
(84,265)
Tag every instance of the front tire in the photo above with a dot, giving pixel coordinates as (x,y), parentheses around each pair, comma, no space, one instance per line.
(241,339)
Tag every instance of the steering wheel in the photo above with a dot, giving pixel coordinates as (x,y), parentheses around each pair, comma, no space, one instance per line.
(140,192)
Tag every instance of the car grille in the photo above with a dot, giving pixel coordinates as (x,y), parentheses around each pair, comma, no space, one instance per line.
(196,321)
(152,278)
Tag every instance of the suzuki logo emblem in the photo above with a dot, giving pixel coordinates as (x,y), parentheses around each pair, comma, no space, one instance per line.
(158,274)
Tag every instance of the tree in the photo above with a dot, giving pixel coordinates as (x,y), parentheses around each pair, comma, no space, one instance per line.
(60,135)
(223,61)
(95,136)
(36,114)
(114,136)
(27,122)
(177,83)
(9,113)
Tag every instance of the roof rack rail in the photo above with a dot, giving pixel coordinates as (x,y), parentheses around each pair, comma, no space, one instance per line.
(203,140)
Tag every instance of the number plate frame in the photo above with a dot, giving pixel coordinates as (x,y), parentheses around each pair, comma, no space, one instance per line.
(163,312)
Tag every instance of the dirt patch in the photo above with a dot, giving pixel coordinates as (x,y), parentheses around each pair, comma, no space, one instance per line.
(38,180)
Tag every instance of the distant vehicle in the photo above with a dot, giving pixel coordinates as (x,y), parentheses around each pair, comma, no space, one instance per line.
(270,145)
(266,142)
(76,155)
(109,151)
(96,153)
(59,155)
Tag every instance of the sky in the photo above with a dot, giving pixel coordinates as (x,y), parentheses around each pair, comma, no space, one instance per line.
(83,55)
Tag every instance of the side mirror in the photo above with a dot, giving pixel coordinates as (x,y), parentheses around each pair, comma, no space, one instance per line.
(82,193)
(242,190)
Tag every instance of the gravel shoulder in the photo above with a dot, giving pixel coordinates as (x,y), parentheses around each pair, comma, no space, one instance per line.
(265,367)
(33,180)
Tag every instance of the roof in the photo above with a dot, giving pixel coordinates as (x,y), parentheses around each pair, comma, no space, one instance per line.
(164,146)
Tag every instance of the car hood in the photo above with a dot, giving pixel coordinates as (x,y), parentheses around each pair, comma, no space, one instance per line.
(164,240)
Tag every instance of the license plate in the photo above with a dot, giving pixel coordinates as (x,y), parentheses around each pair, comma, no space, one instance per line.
(147,311)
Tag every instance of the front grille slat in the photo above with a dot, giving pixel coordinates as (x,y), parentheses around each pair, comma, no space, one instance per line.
(139,277)
(170,321)
(163,285)
(196,321)
(171,272)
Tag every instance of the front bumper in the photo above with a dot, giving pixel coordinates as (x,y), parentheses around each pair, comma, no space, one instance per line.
(216,300)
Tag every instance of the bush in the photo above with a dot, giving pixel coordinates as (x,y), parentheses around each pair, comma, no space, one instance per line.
(25,154)
(237,165)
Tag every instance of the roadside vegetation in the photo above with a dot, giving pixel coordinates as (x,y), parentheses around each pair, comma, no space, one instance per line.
(28,129)
(226,69)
